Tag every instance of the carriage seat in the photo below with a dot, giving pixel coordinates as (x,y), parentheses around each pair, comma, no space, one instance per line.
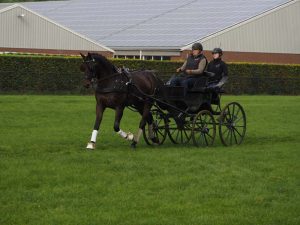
(217,87)
(202,84)
(199,85)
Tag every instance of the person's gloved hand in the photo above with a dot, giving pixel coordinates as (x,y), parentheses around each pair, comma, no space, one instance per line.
(188,71)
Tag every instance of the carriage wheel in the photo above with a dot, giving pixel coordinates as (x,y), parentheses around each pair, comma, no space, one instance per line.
(180,132)
(204,129)
(232,126)
(159,129)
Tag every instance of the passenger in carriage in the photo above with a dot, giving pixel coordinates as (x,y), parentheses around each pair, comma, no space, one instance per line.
(218,67)
(192,68)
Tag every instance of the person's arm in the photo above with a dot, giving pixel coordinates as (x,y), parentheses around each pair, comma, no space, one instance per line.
(200,70)
(182,68)
(208,69)
(225,70)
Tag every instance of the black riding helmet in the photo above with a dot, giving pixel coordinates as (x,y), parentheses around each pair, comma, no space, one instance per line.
(197,46)
(217,50)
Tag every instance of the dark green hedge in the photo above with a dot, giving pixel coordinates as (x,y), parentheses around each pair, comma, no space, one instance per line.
(57,74)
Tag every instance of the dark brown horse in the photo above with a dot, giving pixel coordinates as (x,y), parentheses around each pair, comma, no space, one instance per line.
(117,89)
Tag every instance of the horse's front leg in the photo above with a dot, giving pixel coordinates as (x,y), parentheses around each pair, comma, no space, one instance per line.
(145,116)
(99,113)
(118,117)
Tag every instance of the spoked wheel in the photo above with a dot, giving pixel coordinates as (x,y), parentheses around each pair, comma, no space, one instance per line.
(232,126)
(159,129)
(180,131)
(204,129)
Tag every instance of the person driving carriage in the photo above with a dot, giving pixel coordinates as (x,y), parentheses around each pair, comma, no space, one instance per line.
(218,67)
(192,68)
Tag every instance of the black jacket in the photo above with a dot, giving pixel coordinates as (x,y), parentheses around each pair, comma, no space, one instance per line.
(219,68)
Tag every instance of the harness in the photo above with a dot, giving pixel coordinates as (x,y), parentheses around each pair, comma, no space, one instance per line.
(116,86)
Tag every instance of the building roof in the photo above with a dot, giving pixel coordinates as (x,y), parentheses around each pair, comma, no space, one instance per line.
(143,24)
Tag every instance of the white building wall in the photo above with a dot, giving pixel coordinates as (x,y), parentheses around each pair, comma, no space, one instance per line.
(274,32)
(36,32)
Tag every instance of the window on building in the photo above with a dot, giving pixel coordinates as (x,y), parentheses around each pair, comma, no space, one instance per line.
(145,57)
(166,58)
(148,57)
(121,57)
(157,57)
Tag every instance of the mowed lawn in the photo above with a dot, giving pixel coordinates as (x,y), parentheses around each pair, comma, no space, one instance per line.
(47,177)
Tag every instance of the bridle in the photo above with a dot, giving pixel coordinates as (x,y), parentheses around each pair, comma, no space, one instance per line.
(91,76)
(91,64)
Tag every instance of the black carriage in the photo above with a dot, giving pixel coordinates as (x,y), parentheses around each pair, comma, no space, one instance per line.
(196,115)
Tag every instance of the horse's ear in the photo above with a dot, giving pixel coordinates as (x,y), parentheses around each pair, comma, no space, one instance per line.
(82,55)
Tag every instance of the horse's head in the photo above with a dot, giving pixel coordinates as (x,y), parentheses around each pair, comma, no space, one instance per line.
(88,67)
(95,66)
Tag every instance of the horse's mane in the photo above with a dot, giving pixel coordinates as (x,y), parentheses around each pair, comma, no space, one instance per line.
(103,61)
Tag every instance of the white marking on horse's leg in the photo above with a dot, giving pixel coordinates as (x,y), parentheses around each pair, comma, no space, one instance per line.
(122,133)
(92,143)
(94,136)
(150,131)
(128,136)
(137,137)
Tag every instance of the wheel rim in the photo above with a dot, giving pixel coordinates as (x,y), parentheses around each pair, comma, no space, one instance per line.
(159,128)
(179,132)
(204,129)
(232,127)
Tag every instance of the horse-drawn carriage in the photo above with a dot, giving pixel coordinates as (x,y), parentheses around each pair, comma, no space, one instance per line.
(166,110)
(196,114)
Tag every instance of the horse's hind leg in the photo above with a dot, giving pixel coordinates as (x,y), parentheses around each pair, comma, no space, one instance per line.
(150,126)
(150,129)
(99,113)
(145,117)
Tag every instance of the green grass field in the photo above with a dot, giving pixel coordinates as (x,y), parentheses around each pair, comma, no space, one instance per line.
(47,177)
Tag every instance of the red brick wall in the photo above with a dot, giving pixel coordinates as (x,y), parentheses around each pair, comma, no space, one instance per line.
(254,57)
(53,51)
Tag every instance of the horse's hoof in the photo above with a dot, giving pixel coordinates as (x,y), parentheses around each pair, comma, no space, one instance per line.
(91,146)
(130,136)
(133,145)
(155,140)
